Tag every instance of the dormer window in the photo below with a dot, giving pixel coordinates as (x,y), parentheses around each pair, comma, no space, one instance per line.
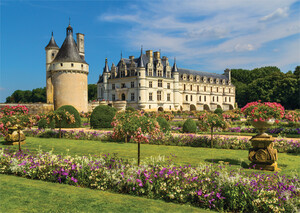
(150,72)
(211,80)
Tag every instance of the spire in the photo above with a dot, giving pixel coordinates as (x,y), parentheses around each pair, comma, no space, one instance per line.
(52,43)
(174,69)
(106,68)
(69,28)
(141,61)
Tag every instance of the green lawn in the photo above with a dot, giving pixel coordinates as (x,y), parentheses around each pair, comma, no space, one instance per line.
(23,195)
(288,163)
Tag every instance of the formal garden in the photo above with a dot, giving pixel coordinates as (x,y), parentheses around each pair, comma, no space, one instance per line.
(243,160)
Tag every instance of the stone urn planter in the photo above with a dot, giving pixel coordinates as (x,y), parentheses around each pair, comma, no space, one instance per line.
(263,155)
(262,126)
(13,137)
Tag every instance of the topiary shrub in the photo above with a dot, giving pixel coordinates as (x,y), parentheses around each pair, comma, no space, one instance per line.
(163,123)
(74,112)
(102,116)
(218,111)
(189,126)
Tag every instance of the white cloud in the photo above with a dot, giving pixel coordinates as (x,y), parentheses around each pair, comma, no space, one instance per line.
(197,31)
(279,13)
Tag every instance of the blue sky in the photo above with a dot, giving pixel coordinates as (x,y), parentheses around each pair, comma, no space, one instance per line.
(205,35)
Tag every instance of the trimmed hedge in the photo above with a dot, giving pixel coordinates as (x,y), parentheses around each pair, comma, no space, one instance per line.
(43,124)
(164,124)
(102,117)
(218,111)
(189,126)
(130,109)
(72,111)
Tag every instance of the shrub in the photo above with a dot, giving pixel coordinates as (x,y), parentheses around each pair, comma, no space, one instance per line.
(130,109)
(189,126)
(72,111)
(102,116)
(218,111)
(164,124)
(43,124)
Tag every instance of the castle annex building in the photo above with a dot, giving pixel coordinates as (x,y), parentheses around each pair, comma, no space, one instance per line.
(66,72)
(150,83)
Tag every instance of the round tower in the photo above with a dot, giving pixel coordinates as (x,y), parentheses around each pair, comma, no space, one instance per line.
(69,73)
(51,52)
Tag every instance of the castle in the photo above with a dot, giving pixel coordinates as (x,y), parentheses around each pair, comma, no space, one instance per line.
(150,83)
(66,72)
(147,82)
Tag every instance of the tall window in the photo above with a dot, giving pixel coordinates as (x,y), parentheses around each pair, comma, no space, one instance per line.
(200,98)
(184,87)
(217,98)
(113,86)
(229,99)
(159,73)
(213,98)
(132,96)
(197,88)
(191,87)
(223,90)
(150,96)
(217,89)
(158,95)
(132,84)
(159,83)
(150,72)
(186,97)
(204,88)
(123,97)
(168,97)
(150,84)
(191,98)
(123,85)
(204,98)
(168,86)
(225,99)
(229,90)
(113,97)
(132,73)
(211,89)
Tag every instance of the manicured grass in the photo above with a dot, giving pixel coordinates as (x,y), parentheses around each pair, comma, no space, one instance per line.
(288,163)
(24,195)
(249,134)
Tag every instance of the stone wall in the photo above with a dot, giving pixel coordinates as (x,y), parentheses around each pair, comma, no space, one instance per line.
(35,108)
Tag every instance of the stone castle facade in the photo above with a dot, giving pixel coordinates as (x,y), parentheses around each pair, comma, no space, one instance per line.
(66,72)
(150,83)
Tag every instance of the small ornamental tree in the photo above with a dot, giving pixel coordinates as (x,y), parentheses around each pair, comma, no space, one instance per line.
(60,117)
(211,121)
(73,111)
(135,125)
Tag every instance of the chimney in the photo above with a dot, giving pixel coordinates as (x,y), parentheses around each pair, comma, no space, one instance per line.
(80,44)
(149,54)
(157,55)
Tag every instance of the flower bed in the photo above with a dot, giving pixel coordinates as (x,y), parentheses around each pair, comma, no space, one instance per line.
(205,186)
(220,142)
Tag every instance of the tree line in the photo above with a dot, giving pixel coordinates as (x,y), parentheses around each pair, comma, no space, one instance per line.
(39,95)
(265,84)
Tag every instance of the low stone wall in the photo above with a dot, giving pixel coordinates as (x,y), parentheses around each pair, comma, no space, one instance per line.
(35,108)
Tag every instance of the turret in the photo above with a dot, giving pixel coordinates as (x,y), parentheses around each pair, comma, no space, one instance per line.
(105,79)
(51,52)
(177,96)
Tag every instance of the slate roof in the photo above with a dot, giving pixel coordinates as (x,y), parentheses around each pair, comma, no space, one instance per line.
(52,43)
(68,51)
(207,74)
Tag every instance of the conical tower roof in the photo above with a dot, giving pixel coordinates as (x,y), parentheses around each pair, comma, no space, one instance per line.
(52,43)
(174,69)
(141,61)
(106,68)
(68,51)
